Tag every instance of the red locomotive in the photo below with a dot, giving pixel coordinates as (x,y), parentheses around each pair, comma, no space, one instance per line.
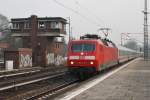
(92,54)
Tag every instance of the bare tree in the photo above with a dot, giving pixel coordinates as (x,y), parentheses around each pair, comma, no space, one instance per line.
(4,23)
(132,45)
(4,29)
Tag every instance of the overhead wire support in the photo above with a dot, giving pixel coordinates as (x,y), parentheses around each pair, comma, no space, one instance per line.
(70,37)
(127,36)
(145,31)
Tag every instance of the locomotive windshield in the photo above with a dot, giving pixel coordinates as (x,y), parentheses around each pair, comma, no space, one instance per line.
(83,47)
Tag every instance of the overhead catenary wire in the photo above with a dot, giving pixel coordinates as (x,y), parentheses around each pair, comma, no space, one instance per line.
(89,11)
(129,37)
(94,16)
(78,13)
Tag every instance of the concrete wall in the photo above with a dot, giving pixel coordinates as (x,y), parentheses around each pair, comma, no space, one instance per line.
(21,57)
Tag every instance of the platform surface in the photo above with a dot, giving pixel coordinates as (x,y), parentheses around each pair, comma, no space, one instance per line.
(129,83)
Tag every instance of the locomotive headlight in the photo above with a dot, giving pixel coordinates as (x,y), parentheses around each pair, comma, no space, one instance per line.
(90,57)
(92,62)
(72,62)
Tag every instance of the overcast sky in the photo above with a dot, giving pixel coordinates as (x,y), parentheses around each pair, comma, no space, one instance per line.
(87,16)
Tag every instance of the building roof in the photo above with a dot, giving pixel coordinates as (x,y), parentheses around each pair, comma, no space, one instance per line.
(51,34)
(40,19)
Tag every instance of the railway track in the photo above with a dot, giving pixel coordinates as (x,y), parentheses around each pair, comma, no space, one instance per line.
(21,86)
(15,71)
(19,79)
(46,94)
(38,88)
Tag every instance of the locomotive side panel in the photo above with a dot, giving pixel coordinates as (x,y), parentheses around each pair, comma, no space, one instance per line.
(110,57)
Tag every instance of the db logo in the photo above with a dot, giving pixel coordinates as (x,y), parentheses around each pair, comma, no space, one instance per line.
(82,57)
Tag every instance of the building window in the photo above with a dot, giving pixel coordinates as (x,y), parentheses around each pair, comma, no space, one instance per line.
(57,45)
(15,25)
(64,27)
(60,25)
(41,25)
(27,25)
(56,25)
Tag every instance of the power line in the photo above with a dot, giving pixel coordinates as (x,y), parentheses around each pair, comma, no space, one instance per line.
(88,10)
(76,12)
(94,16)
(126,36)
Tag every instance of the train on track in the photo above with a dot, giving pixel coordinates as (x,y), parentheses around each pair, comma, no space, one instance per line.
(92,54)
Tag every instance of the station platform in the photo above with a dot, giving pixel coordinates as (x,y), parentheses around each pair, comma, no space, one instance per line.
(132,82)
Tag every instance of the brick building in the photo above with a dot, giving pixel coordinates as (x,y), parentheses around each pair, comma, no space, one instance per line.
(45,35)
(3,47)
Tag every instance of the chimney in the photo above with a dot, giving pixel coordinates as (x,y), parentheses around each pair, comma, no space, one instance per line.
(34,28)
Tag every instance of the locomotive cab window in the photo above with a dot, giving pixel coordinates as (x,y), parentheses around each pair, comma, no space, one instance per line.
(83,47)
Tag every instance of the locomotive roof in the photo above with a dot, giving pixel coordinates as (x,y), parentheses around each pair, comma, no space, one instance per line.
(88,40)
(91,40)
(100,41)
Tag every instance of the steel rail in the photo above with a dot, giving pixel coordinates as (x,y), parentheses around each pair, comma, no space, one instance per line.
(30,82)
(51,91)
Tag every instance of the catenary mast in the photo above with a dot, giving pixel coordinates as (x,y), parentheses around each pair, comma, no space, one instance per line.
(145,31)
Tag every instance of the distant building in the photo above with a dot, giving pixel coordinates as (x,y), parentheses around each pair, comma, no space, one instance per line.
(45,35)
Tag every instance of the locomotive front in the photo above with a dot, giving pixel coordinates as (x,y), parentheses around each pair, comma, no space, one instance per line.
(82,56)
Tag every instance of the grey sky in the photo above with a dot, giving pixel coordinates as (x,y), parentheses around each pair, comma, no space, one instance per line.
(120,15)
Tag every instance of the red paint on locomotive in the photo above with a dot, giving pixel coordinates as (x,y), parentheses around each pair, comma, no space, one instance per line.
(102,54)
